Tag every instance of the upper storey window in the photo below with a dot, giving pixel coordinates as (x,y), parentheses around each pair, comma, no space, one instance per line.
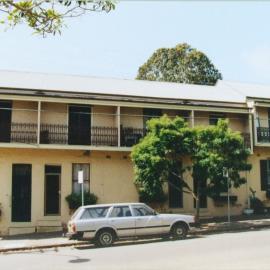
(214,117)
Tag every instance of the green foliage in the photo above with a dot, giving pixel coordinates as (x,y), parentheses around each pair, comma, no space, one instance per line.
(213,150)
(181,64)
(47,17)
(159,154)
(219,155)
(74,200)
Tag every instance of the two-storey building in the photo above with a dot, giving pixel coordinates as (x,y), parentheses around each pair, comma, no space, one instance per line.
(52,126)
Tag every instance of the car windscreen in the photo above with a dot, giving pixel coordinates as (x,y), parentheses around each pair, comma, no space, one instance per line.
(95,212)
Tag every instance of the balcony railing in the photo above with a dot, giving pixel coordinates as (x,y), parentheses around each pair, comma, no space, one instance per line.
(23,133)
(59,134)
(53,134)
(99,136)
(263,134)
(131,136)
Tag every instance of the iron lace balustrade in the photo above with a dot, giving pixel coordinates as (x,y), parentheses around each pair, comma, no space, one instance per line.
(263,134)
(59,134)
(104,136)
(131,136)
(53,134)
(23,133)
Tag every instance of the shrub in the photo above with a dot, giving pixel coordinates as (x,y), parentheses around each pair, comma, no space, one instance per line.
(257,205)
(74,200)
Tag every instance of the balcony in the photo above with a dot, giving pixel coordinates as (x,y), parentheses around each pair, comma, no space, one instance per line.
(263,134)
(26,133)
(131,136)
(58,134)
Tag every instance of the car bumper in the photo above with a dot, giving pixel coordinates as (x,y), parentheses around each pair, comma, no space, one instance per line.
(80,235)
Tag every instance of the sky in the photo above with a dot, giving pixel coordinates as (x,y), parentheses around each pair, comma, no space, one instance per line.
(235,35)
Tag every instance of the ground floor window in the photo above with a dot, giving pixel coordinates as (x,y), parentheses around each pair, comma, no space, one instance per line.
(265,174)
(76,167)
(52,190)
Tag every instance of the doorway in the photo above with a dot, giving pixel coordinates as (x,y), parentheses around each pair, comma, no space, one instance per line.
(52,190)
(79,125)
(5,121)
(21,192)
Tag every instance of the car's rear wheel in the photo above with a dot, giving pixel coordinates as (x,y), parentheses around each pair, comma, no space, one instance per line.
(105,238)
(179,231)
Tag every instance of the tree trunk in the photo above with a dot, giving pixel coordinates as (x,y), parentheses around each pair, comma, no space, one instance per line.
(198,193)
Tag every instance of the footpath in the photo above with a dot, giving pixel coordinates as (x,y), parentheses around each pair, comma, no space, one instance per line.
(39,241)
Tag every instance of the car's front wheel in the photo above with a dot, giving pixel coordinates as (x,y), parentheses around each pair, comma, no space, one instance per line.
(105,238)
(179,231)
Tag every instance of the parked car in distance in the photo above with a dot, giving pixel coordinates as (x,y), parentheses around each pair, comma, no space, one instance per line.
(106,223)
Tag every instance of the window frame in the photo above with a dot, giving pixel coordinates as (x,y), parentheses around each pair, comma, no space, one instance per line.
(74,181)
(215,116)
(120,206)
(142,206)
(91,208)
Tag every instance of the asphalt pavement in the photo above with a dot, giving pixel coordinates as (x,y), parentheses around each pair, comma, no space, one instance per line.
(225,251)
(55,239)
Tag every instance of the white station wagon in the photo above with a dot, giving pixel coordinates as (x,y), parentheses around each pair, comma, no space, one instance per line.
(105,223)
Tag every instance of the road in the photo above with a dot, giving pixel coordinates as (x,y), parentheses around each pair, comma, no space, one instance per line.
(234,251)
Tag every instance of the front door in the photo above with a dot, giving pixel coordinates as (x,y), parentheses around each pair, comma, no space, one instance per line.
(5,121)
(21,192)
(52,190)
(79,125)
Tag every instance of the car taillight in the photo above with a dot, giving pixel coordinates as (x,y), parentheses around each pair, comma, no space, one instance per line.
(73,227)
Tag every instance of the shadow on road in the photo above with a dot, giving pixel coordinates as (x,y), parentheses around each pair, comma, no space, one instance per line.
(79,260)
(130,242)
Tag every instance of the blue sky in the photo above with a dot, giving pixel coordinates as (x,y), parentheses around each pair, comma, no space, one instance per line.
(234,34)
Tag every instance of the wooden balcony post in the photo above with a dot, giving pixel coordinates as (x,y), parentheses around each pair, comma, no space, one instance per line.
(118,126)
(38,123)
(250,132)
(192,120)
(255,125)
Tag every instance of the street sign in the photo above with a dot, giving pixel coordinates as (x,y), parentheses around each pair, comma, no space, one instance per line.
(80,181)
(80,177)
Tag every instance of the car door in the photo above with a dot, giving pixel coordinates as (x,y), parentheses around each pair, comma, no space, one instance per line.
(122,220)
(147,221)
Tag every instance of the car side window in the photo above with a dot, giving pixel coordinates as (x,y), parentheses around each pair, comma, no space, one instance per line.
(120,211)
(96,212)
(141,211)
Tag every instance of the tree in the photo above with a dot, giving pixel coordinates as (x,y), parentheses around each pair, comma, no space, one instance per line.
(213,151)
(219,155)
(159,155)
(181,64)
(47,17)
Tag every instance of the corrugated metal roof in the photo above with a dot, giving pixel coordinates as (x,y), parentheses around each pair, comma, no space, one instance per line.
(223,91)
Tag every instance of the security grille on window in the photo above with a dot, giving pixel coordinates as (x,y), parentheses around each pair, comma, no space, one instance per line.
(214,117)
(76,187)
